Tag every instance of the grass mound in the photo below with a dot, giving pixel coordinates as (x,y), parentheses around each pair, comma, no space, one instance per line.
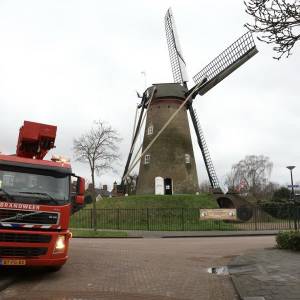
(204,200)
(149,212)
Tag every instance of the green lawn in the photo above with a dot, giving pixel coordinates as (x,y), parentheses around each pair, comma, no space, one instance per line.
(157,213)
(99,234)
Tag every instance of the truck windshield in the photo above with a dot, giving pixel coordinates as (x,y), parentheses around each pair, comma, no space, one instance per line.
(34,186)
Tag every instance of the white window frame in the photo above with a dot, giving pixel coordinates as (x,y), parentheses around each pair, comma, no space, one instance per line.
(150,130)
(147,159)
(187,158)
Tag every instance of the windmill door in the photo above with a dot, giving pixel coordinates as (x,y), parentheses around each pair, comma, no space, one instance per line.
(159,186)
(168,186)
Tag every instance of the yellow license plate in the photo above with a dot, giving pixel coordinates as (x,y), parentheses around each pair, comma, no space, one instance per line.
(13,262)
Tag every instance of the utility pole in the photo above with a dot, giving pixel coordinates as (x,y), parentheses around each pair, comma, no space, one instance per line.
(293,196)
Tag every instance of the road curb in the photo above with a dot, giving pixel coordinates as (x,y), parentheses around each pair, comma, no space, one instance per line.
(216,235)
(107,237)
(5,283)
(191,234)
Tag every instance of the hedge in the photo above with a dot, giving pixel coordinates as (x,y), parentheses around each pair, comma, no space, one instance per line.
(288,240)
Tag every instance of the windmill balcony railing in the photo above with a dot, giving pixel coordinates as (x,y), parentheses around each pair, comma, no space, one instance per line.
(264,217)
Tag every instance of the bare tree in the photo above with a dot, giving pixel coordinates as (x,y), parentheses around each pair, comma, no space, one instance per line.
(231,180)
(278,21)
(97,147)
(204,186)
(269,190)
(251,174)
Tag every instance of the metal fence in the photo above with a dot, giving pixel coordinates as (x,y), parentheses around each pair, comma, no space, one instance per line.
(268,217)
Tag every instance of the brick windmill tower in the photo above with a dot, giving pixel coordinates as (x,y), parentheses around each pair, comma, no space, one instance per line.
(170,163)
(167,163)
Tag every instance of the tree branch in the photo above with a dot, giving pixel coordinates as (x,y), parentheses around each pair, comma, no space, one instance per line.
(278,21)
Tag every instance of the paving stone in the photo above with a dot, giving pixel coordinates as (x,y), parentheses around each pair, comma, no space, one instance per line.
(271,273)
(139,269)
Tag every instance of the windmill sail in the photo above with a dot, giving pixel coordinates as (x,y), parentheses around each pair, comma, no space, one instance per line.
(212,175)
(177,62)
(228,61)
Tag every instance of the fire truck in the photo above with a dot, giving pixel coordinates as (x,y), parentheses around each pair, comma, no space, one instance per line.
(37,198)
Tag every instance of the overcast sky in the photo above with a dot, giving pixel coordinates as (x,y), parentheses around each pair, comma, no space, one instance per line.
(68,63)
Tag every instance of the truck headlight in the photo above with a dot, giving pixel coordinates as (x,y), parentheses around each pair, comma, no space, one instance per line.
(60,244)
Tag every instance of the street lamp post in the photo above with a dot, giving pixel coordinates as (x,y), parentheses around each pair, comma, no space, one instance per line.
(293,195)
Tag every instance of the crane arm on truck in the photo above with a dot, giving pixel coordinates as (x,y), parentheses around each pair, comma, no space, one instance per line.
(35,140)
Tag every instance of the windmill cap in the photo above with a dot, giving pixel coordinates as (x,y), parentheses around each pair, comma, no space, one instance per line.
(170,90)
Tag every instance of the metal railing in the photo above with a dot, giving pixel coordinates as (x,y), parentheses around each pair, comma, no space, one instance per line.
(280,217)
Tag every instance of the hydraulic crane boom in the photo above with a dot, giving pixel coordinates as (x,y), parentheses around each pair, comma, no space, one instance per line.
(35,140)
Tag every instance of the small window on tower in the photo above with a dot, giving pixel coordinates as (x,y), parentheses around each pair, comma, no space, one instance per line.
(147,159)
(187,159)
(150,130)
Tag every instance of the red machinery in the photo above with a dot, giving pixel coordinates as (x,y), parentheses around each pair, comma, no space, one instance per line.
(36,201)
(35,140)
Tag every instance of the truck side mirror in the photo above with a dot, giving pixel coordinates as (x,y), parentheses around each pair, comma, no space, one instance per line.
(80,186)
(78,189)
(79,199)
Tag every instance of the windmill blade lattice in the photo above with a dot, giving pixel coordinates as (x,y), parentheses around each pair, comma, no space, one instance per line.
(177,62)
(228,61)
(212,175)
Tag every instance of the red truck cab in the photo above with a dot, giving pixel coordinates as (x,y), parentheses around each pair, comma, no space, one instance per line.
(37,198)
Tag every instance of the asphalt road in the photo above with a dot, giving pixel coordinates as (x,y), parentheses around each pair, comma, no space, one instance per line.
(136,269)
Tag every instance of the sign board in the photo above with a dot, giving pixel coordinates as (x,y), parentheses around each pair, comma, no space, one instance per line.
(218,214)
(159,186)
(295,186)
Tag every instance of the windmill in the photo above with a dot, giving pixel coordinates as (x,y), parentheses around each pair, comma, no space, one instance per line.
(167,151)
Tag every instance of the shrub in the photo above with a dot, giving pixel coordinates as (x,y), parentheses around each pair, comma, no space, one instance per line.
(288,240)
(281,195)
(279,210)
